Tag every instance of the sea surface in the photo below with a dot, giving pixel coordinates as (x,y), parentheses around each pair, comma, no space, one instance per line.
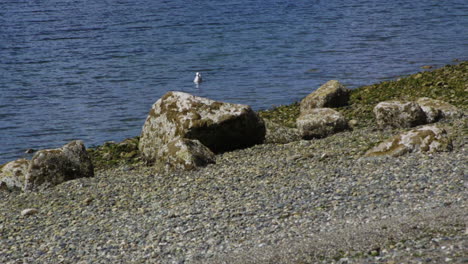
(90,70)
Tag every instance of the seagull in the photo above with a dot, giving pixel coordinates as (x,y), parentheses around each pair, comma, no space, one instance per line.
(198,78)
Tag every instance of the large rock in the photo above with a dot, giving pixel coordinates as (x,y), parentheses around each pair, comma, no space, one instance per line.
(186,154)
(437,109)
(50,167)
(331,94)
(424,139)
(13,174)
(320,122)
(217,125)
(396,114)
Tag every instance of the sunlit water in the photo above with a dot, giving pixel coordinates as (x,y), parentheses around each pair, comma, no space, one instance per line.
(91,70)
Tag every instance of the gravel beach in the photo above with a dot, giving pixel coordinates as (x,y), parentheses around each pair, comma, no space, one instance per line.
(314,201)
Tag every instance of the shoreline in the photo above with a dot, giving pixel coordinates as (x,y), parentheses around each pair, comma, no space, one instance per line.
(286,114)
(306,201)
(362,101)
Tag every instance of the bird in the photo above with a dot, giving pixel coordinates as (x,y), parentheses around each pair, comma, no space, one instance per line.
(198,78)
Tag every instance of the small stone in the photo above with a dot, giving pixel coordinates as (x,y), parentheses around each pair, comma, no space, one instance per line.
(29,211)
(323,156)
(88,201)
(29,151)
(352,123)
(427,67)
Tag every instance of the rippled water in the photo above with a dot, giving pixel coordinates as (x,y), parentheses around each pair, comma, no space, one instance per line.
(91,70)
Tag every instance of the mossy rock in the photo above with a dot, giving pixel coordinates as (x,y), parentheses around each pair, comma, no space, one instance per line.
(217,125)
(425,139)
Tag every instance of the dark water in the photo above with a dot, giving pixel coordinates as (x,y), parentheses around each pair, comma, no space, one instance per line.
(91,70)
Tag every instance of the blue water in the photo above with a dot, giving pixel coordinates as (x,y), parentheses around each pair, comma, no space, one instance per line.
(90,70)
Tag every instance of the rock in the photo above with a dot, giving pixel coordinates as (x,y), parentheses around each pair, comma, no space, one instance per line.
(396,114)
(217,125)
(29,151)
(13,174)
(29,211)
(278,134)
(424,139)
(186,154)
(50,167)
(437,109)
(331,94)
(320,122)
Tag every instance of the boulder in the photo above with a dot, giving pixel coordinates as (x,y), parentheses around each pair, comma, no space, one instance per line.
(50,167)
(13,174)
(396,114)
(217,125)
(425,139)
(320,122)
(278,134)
(186,154)
(437,109)
(331,94)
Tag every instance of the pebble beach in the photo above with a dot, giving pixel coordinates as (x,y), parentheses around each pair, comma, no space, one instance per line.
(311,201)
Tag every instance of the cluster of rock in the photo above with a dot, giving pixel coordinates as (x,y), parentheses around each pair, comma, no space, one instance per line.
(47,167)
(183,131)
(317,119)
(429,138)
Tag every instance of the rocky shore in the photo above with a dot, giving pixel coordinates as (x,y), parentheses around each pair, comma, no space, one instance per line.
(307,201)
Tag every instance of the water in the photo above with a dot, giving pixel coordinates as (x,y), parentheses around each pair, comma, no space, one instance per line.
(91,70)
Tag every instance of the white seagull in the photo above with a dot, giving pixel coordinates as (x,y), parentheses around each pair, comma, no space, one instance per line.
(198,78)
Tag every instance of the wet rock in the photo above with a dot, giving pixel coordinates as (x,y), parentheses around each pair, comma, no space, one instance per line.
(396,114)
(279,134)
(186,154)
(217,125)
(331,94)
(12,174)
(320,122)
(437,109)
(50,167)
(424,139)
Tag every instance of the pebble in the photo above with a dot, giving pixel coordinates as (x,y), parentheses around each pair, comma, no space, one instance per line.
(29,211)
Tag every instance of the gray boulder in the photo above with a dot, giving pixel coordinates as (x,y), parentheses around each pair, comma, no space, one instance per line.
(331,94)
(320,122)
(396,114)
(425,139)
(278,134)
(50,167)
(13,174)
(217,125)
(186,154)
(437,109)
